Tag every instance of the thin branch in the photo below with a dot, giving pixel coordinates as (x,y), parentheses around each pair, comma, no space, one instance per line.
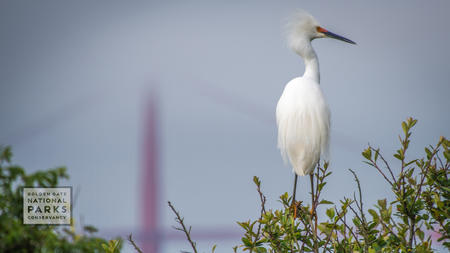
(440,161)
(263,208)
(384,225)
(308,229)
(263,200)
(355,213)
(351,231)
(334,226)
(180,221)
(360,206)
(420,185)
(356,202)
(130,239)
(381,172)
(345,229)
(385,163)
(412,232)
(424,175)
(364,225)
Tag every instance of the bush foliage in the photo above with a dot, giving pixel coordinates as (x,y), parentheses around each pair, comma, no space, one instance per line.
(414,220)
(406,223)
(17,237)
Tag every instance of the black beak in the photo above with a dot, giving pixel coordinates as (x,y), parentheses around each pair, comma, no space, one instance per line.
(338,37)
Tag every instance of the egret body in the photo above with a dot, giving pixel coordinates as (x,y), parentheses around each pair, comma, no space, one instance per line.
(303,116)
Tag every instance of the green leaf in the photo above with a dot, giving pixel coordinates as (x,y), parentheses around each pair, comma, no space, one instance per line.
(256,181)
(325,202)
(330,213)
(367,153)
(409,163)
(377,152)
(447,155)
(413,123)
(246,242)
(321,185)
(356,222)
(405,127)
(421,234)
(261,250)
(382,203)
(428,153)
(5,154)
(374,214)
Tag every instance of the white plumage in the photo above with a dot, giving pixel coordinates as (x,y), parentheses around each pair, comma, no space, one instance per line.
(303,116)
(303,120)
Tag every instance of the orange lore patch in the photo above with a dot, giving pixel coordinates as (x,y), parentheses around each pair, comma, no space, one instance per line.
(322,30)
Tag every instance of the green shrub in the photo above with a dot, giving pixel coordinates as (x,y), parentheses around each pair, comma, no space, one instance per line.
(421,188)
(17,237)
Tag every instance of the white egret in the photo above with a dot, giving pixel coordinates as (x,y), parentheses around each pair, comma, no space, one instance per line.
(303,116)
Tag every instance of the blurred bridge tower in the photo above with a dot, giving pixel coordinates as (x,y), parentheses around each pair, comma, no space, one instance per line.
(150,237)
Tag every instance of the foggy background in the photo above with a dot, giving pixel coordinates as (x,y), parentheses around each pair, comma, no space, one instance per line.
(75,78)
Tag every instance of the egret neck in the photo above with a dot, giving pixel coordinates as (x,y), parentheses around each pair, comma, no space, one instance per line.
(311,62)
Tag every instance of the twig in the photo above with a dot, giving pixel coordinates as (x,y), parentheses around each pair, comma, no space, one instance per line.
(412,218)
(384,225)
(263,208)
(263,200)
(351,231)
(361,208)
(424,175)
(334,226)
(385,163)
(308,229)
(355,213)
(440,161)
(180,221)
(381,172)
(345,229)
(364,225)
(130,239)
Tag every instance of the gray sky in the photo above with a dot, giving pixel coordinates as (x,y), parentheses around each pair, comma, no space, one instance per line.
(75,76)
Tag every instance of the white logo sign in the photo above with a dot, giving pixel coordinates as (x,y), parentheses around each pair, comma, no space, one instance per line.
(47,205)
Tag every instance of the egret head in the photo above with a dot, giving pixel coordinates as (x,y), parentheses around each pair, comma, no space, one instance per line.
(302,28)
